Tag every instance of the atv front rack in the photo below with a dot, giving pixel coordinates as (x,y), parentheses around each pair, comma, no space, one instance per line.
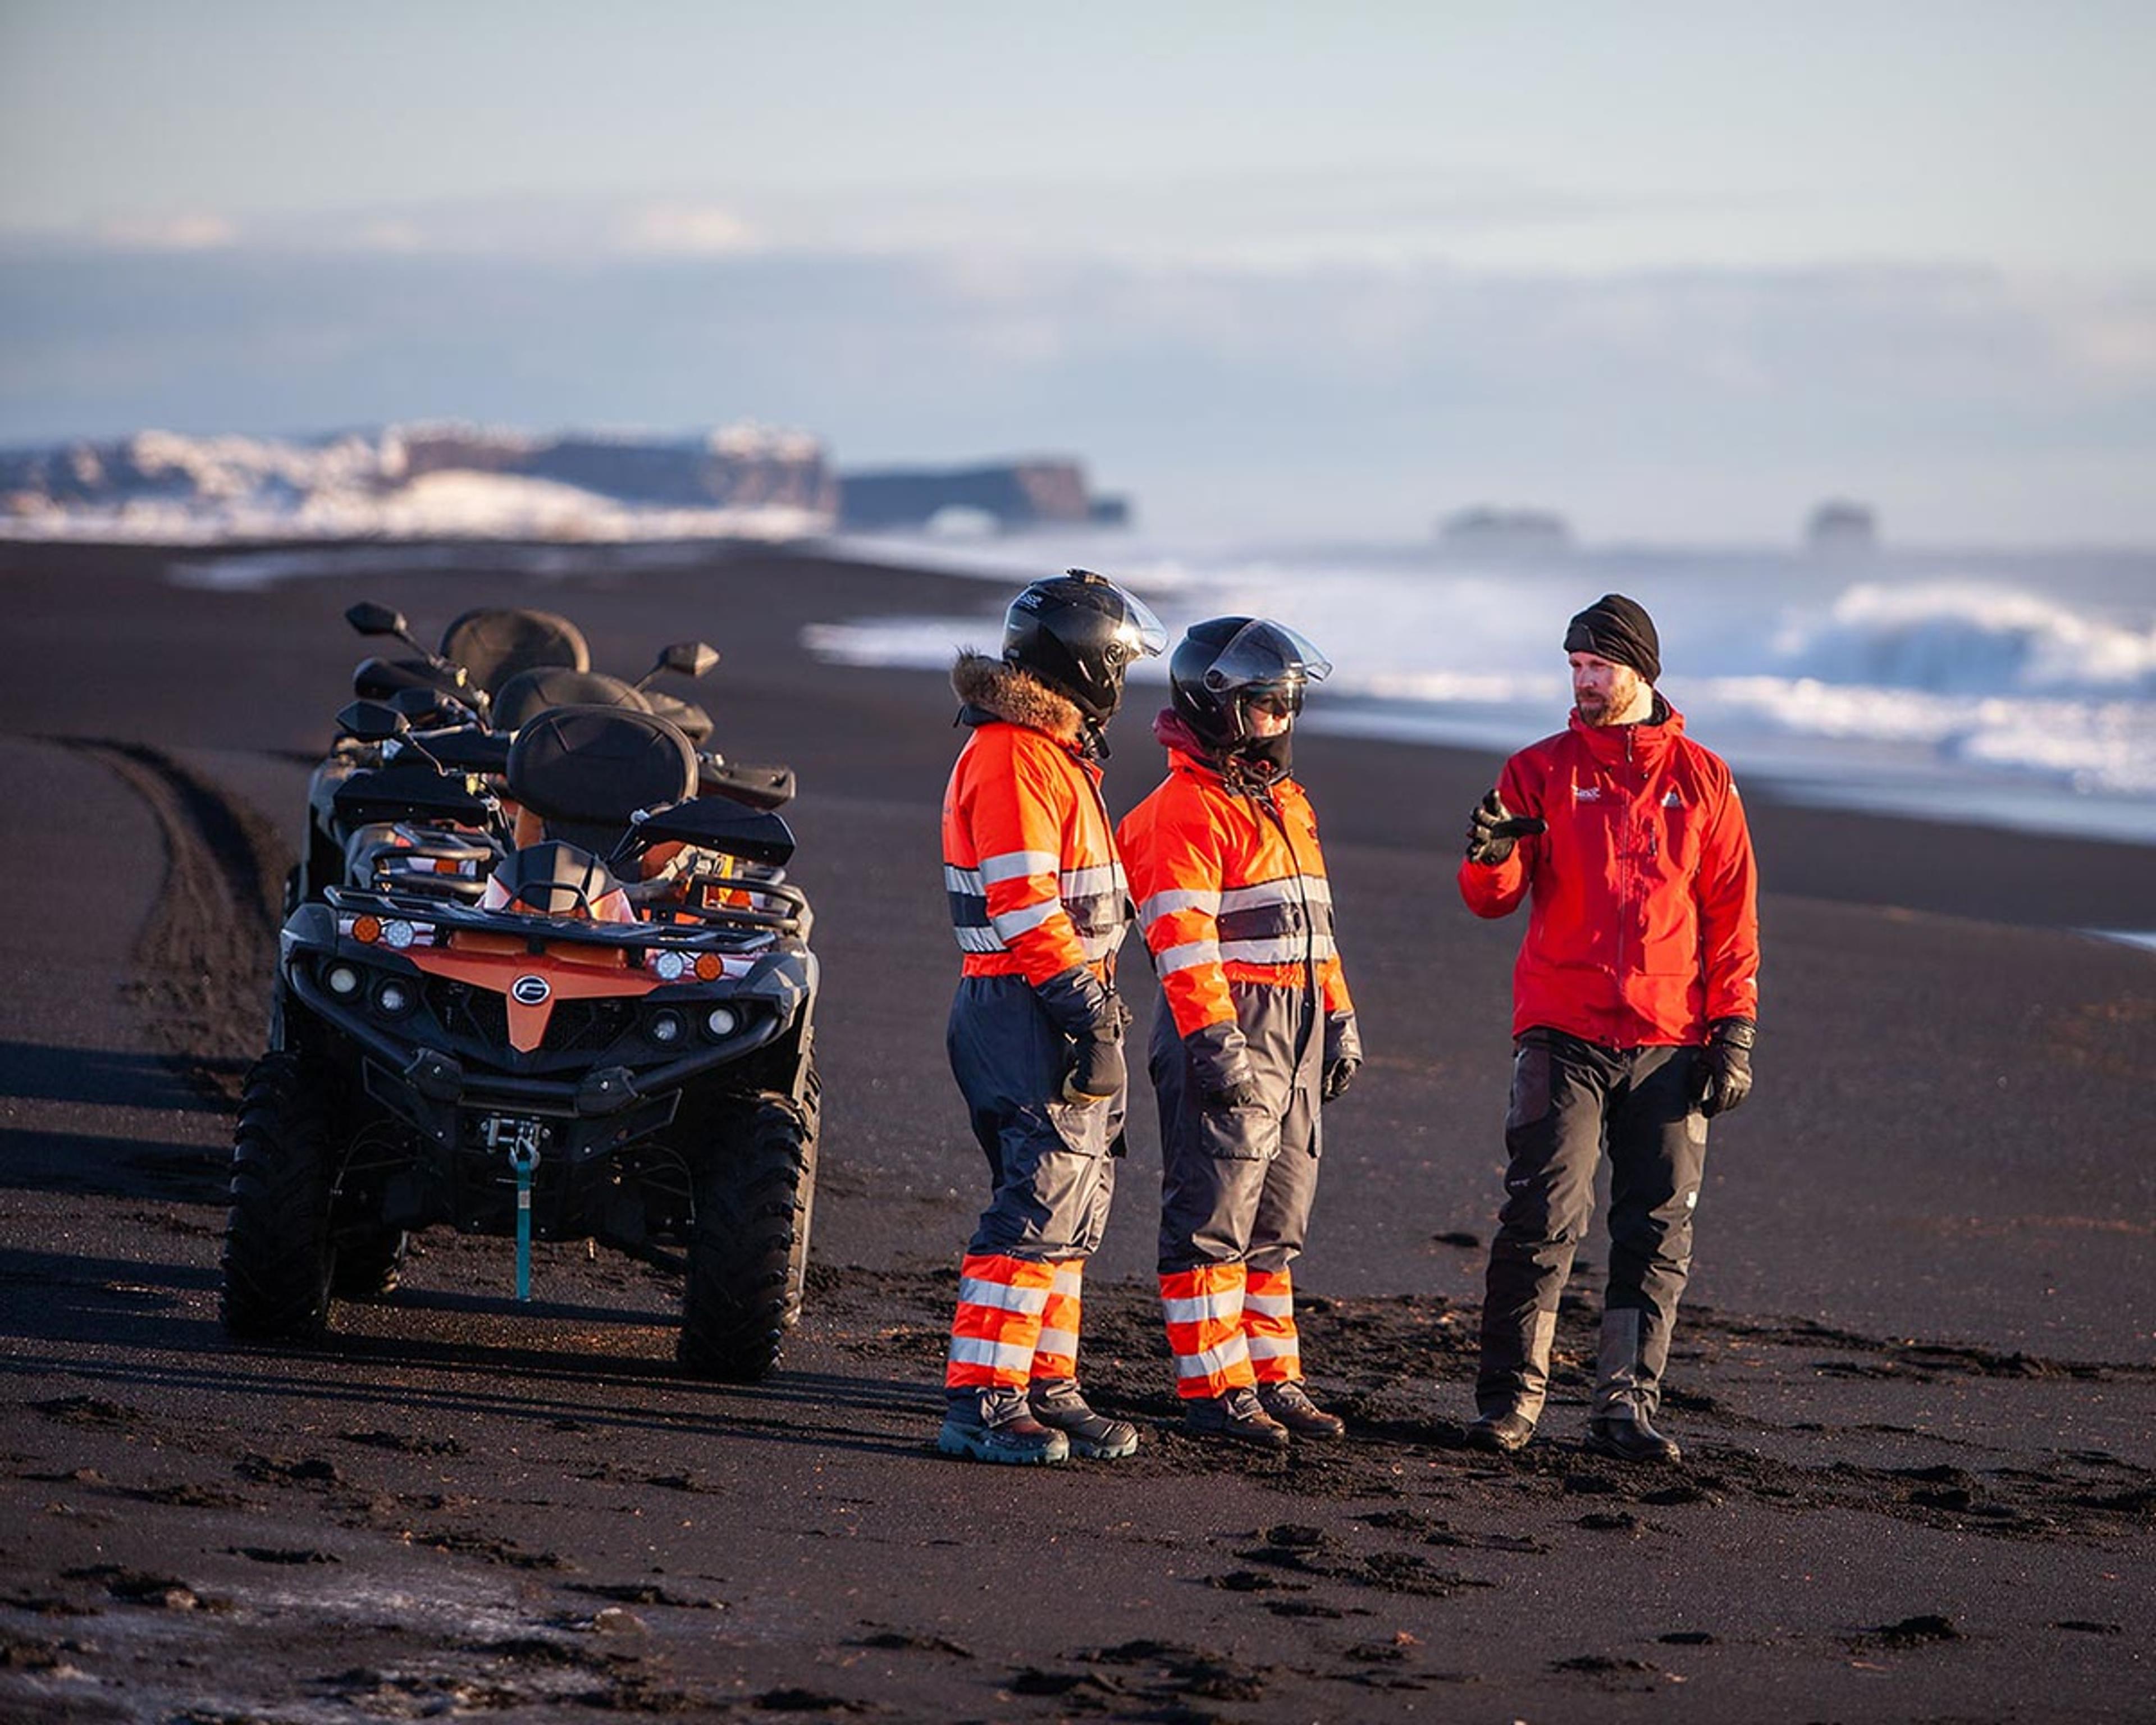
(693,927)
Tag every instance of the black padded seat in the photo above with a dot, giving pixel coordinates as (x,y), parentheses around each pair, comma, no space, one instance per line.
(529,693)
(695,722)
(494,644)
(596,766)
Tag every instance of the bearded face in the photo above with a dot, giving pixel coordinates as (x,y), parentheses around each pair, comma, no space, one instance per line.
(1605,692)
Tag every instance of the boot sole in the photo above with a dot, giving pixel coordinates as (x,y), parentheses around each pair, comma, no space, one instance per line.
(1603,1446)
(1089,1451)
(958,1441)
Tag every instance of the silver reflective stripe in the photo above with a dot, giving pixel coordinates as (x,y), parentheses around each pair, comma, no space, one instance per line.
(1290,888)
(1269,1304)
(1285,949)
(1224,1306)
(1228,1355)
(1014,864)
(1069,1281)
(974,1291)
(999,1356)
(1091,883)
(1010,924)
(967,881)
(1188,957)
(1063,1342)
(1166,904)
(979,940)
(1273,1347)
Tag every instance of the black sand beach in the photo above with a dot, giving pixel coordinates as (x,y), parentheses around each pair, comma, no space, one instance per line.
(1915,1382)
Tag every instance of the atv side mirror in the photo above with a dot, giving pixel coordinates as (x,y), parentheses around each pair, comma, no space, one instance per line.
(721,823)
(370,618)
(373,722)
(684,659)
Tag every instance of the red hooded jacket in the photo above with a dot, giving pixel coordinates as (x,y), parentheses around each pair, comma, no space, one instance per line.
(1643,923)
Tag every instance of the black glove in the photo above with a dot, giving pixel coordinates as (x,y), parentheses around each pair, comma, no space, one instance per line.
(1343,1055)
(1724,1076)
(1220,1063)
(1096,1068)
(1493,827)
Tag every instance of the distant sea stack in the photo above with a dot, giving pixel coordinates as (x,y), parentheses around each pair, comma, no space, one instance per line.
(1839,528)
(1487,532)
(1050,492)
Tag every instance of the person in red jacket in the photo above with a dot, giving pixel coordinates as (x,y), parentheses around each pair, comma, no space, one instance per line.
(1039,904)
(1256,1027)
(1635,999)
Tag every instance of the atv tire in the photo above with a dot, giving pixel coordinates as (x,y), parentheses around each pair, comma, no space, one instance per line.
(277,1259)
(749,1249)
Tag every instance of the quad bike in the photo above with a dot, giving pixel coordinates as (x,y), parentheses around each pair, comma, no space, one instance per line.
(612,1040)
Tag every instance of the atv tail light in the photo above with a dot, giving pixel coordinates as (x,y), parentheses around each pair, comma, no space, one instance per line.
(393,998)
(721,1022)
(341,980)
(665,1028)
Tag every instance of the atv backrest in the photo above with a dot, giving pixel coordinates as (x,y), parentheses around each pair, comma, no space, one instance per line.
(596,766)
(494,645)
(529,693)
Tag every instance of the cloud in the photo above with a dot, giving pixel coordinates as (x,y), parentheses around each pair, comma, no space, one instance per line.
(685,230)
(195,232)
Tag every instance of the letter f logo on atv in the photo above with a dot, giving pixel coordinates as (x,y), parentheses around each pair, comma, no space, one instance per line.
(530,990)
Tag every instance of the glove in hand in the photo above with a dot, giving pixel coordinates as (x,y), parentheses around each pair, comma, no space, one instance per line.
(1343,1055)
(1338,1075)
(1096,1068)
(1724,1073)
(1493,828)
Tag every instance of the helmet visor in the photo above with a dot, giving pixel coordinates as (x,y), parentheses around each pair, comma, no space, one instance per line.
(1264,653)
(1138,634)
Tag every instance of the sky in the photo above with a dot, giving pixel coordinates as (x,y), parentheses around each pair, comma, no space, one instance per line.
(1678,271)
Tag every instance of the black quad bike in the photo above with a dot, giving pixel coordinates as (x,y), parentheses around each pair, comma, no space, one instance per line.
(611,1039)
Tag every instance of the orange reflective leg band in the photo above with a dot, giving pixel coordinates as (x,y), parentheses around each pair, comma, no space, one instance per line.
(1268,1327)
(1204,1312)
(1055,1355)
(997,1322)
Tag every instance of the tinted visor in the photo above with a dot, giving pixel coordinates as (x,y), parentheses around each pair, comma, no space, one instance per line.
(1263,655)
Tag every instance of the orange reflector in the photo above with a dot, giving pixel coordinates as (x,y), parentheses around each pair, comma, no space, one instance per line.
(368,929)
(710,966)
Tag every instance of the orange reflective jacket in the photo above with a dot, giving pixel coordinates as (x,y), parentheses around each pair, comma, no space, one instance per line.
(1029,862)
(1231,889)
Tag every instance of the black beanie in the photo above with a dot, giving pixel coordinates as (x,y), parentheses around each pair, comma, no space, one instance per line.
(1620,630)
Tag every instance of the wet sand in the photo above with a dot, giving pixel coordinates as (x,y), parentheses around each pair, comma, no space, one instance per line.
(1916,1380)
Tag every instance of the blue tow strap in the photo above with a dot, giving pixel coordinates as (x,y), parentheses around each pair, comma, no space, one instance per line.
(523,1158)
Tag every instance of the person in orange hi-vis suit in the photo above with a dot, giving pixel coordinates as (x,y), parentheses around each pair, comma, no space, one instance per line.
(1039,904)
(1257,1028)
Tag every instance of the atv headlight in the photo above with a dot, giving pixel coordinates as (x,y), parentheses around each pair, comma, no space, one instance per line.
(393,998)
(665,1028)
(669,967)
(721,1022)
(341,980)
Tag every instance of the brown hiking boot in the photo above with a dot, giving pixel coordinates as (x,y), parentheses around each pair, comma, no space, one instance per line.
(1290,1404)
(1238,1416)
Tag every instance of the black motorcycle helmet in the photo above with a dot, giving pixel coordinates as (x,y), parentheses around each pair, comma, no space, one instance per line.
(1223,664)
(1077,632)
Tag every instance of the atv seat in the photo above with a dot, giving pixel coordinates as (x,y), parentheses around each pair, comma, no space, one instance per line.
(529,693)
(557,880)
(583,771)
(494,645)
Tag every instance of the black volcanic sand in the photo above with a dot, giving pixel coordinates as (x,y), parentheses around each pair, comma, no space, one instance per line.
(1917,1384)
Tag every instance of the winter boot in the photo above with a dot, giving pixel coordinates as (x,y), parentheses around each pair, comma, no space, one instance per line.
(1290,1404)
(1238,1416)
(1500,1434)
(1633,1439)
(997,1425)
(1057,1404)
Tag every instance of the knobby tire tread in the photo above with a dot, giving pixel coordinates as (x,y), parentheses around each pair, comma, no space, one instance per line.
(748,1251)
(277,1259)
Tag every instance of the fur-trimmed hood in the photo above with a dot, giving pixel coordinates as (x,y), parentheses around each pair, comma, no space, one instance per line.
(1013,694)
